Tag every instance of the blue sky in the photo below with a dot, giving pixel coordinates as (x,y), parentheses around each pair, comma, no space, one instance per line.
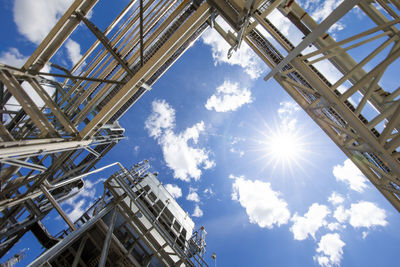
(210,126)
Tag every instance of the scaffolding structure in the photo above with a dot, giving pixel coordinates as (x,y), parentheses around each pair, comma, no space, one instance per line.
(136,223)
(44,148)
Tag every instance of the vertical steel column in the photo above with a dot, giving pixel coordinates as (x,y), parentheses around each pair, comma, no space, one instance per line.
(107,241)
(79,252)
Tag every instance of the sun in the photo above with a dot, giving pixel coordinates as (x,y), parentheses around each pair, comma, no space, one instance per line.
(285,148)
(283,145)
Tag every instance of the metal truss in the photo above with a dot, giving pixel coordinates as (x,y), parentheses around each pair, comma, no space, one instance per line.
(78,122)
(373,149)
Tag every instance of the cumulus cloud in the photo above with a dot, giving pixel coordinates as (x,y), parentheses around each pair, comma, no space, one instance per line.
(183,158)
(324,9)
(229,97)
(73,51)
(330,250)
(336,198)
(362,214)
(366,214)
(319,10)
(193,196)
(285,27)
(197,212)
(333,226)
(341,214)
(288,108)
(350,174)
(286,113)
(78,209)
(174,190)
(162,118)
(263,205)
(88,191)
(243,57)
(35,19)
(82,200)
(309,224)
(13,58)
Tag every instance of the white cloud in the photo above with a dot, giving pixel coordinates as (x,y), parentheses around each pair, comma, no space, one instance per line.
(35,19)
(243,57)
(333,226)
(285,27)
(288,108)
(78,209)
(174,190)
(319,10)
(336,198)
(322,260)
(235,151)
(197,211)
(193,196)
(364,235)
(229,97)
(208,164)
(13,58)
(286,112)
(350,174)
(262,204)
(340,214)
(309,224)
(74,51)
(88,191)
(184,159)
(80,202)
(163,117)
(366,214)
(324,9)
(330,250)
(362,214)
(280,21)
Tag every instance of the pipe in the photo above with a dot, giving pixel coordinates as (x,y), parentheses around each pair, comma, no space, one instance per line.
(76,178)
(58,208)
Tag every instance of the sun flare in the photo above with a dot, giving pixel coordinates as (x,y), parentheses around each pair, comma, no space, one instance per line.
(285,148)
